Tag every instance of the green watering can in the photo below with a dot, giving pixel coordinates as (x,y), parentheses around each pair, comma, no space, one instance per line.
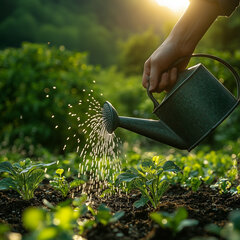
(195,106)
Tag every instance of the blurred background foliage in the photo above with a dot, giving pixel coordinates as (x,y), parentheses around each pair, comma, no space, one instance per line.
(52,50)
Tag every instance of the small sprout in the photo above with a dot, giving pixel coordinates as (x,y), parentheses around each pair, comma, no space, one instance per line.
(59,171)
(61,185)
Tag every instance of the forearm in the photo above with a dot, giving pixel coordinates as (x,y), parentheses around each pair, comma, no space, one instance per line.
(193,25)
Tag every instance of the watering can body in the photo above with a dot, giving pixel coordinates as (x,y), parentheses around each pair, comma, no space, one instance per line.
(195,106)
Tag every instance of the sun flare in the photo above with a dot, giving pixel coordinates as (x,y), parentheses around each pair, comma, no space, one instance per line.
(174,5)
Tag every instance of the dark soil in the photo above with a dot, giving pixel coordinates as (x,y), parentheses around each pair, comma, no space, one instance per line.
(205,205)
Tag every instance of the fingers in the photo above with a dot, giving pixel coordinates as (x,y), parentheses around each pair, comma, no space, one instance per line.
(158,82)
(146,73)
(168,79)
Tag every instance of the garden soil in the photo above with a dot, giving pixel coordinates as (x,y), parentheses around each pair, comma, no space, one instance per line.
(206,205)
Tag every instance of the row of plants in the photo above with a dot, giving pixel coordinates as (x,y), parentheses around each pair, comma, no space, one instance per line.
(152,177)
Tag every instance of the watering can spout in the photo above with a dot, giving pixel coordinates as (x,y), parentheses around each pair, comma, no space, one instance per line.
(154,129)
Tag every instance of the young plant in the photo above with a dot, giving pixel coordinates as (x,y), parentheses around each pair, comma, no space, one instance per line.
(175,221)
(24,177)
(62,185)
(149,179)
(104,216)
(57,222)
(231,231)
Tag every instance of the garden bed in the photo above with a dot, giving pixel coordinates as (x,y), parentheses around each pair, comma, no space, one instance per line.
(206,205)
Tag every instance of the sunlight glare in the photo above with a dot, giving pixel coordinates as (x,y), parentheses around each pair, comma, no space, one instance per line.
(174,5)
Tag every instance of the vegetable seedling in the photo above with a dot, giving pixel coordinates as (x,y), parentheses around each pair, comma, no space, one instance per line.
(60,184)
(149,179)
(24,177)
(175,221)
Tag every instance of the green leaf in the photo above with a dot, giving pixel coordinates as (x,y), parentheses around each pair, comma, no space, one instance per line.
(141,202)
(40,165)
(235,219)
(76,183)
(213,228)
(180,215)
(7,183)
(103,215)
(157,217)
(117,216)
(187,223)
(34,179)
(127,177)
(170,166)
(33,218)
(6,167)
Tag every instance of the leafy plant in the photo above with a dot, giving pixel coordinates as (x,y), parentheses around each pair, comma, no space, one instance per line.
(104,215)
(230,231)
(223,185)
(24,177)
(58,223)
(175,221)
(65,220)
(149,179)
(62,185)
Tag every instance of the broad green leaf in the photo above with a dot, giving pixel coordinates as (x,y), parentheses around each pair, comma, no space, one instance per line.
(103,215)
(141,202)
(127,177)
(64,217)
(180,215)
(117,216)
(7,183)
(186,223)
(157,217)
(170,166)
(48,233)
(235,219)
(148,164)
(213,228)
(6,167)
(33,218)
(39,165)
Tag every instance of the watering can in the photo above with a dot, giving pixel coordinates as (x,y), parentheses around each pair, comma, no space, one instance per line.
(193,108)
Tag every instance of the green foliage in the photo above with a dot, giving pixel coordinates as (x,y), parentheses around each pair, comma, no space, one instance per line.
(24,177)
(231,231)
(104,216)
(65,221)
(175,221)
(136,50)
(60,184)
(37,85)
(208,168)
(79,25)
(149,178)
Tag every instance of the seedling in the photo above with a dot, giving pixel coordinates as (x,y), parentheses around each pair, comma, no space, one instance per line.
(24,177)
(230,231)
(175,221)
(104,216)
(149,179)
(62,185)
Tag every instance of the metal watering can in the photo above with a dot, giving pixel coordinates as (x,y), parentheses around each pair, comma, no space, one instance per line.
(193,108)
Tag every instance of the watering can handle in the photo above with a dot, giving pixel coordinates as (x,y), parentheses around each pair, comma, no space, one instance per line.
(233,71)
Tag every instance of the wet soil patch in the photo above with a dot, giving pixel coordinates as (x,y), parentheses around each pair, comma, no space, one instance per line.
(206,205)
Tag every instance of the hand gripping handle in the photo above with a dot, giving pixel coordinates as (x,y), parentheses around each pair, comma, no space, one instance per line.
(232,70)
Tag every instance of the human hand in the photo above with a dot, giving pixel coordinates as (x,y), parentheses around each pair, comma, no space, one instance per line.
(157,69)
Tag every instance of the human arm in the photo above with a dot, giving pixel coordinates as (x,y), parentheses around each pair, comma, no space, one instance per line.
(181,42)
